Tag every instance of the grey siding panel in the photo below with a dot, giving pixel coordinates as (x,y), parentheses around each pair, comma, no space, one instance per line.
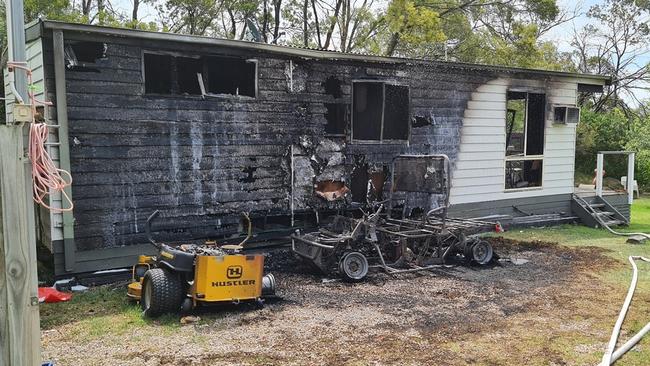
(560,204)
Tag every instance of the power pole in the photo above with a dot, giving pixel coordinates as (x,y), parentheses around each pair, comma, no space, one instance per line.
(19,317)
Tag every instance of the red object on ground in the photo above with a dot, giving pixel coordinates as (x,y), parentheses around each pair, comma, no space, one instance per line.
(50,294)
(498,228)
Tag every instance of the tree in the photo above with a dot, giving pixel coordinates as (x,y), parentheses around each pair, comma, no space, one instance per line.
(615,44)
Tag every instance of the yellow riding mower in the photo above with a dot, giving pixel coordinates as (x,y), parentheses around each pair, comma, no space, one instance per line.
(180,278)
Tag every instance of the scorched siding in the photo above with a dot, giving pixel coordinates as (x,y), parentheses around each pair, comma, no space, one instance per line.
(203,162)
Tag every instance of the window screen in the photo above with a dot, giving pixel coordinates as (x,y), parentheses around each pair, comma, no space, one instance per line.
(367,105)
(396,113)
(380,111)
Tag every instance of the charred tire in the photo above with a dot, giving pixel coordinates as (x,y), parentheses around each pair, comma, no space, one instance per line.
(162,292)
(482,252)
(353,266)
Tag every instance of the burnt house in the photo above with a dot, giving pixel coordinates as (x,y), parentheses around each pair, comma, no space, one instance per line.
(204,129)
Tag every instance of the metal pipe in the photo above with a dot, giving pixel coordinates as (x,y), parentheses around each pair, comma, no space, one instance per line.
(296,237)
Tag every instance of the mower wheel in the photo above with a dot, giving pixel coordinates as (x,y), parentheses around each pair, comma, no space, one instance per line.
(353,266)
(482,252)
(162,292)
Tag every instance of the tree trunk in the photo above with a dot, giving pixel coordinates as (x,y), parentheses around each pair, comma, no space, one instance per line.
(313,5)
(330,31)
(100,11)
(305,25)
(276,27)
(265,22)
(134,15)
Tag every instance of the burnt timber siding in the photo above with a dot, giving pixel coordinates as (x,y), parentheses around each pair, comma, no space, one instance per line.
(133,153)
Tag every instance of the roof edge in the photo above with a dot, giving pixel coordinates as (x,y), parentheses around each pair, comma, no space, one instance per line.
(35,30)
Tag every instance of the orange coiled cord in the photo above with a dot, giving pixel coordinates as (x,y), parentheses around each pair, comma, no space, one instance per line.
(47,178)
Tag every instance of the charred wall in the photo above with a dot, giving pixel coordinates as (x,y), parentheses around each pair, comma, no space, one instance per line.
(202,161)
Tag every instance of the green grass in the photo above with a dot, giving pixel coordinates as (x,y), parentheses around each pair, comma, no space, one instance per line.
(617,279)
(104,310)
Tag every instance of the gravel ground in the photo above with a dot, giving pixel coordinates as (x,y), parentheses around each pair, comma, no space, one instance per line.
(405,319)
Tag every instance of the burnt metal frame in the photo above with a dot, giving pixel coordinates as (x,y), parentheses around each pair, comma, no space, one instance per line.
(441,229)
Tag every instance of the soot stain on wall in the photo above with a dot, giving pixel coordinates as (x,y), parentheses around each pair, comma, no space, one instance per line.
(203,161)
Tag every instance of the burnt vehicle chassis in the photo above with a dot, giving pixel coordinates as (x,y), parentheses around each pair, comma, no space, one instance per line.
(350,247)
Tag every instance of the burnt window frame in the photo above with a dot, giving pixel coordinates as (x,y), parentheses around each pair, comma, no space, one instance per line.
(381,139)
(525,156)
(204,92)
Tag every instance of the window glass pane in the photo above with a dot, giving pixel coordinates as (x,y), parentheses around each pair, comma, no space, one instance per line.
(367,108)
(396,113)
(157,73)
(523,173)
(535,126)
(515,123)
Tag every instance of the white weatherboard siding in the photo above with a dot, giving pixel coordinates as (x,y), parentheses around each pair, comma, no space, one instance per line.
(479,173)
(35,61)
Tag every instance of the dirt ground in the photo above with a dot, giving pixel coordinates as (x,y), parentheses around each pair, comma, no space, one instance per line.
(455,315)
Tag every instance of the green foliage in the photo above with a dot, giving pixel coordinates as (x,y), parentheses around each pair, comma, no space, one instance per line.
(639,141)
(414,25)
(613,130)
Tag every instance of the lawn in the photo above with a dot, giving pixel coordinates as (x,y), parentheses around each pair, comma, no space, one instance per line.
(570,324)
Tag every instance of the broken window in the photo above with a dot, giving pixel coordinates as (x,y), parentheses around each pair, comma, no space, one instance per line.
(380,111)
(189,70)
(525,124)
(231,76)
(178,75)
(82,56)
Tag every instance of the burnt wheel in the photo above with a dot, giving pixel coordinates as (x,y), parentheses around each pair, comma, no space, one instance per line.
(482,252)
(353,266)
(162,292)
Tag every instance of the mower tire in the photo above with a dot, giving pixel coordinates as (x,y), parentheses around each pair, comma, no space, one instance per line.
(353,267)
(162,292)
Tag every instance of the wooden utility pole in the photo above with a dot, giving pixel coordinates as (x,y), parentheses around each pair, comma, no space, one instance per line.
(19,318)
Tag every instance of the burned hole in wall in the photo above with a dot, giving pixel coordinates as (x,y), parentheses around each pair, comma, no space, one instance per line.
(336,116)
(359,183)
(331,190)
(82,56)
(332,87)
(420,121)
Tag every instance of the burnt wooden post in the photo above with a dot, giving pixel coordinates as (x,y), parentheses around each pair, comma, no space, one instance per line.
(19,318)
